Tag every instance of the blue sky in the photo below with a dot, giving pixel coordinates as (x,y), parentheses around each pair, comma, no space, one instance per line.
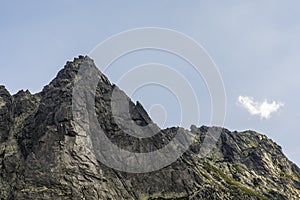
(255,45)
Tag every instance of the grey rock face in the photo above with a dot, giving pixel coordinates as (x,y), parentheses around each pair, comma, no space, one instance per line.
(43,155)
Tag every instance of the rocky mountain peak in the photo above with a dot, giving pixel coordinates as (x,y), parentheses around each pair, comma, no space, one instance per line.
(45,154)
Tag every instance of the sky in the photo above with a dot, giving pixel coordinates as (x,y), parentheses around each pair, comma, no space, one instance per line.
(254,44)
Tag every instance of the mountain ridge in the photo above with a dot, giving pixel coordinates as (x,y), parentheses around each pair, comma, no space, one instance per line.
(44,156)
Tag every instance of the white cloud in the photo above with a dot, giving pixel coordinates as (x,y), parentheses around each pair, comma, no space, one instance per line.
(263,109)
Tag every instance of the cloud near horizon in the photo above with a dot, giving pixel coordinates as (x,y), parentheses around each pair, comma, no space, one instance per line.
(263,109)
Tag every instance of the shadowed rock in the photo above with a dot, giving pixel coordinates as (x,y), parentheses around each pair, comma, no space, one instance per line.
(45,155)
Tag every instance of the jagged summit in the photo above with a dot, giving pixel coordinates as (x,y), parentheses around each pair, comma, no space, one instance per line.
(45,155)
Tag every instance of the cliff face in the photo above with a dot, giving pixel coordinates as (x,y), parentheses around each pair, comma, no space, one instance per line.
(43,155)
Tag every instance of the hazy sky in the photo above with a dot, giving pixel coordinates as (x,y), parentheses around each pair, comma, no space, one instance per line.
(255,45)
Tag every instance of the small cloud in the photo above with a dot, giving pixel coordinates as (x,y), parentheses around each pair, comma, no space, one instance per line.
(263,109)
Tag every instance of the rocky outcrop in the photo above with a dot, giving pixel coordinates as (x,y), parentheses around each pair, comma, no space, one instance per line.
(44,155)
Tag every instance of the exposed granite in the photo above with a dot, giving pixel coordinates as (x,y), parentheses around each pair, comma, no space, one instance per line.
(44,156)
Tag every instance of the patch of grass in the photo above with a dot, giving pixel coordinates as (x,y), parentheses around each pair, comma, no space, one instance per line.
(233,183)
(238,169)
(288,176)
